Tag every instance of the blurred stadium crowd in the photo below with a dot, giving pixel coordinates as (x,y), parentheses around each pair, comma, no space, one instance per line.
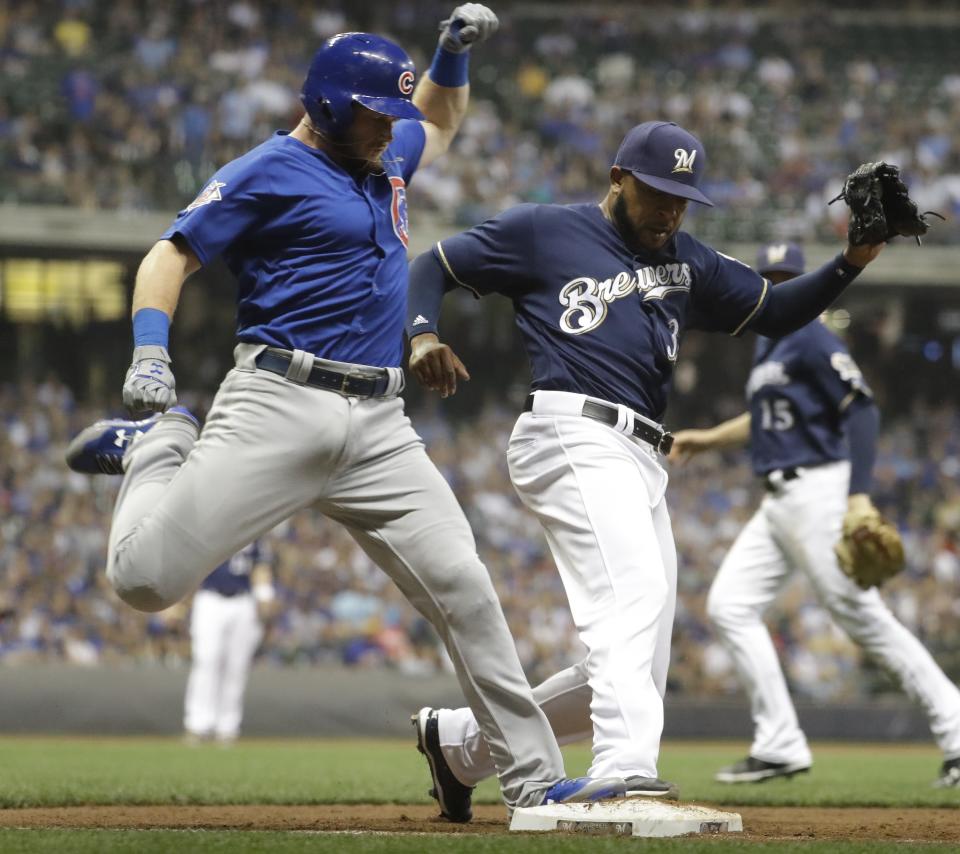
(132,106)
(337,607)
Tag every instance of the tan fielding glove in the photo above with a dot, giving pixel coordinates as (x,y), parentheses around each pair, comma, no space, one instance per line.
(870,550)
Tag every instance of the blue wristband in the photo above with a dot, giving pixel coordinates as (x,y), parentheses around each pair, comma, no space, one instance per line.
(151,326)
(450,69)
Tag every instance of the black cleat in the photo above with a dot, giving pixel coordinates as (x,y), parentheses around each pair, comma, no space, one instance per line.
(949,774)
(652,787)
(751,770)
(454,798)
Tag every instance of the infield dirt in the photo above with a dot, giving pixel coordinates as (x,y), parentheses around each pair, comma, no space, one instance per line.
(760,823)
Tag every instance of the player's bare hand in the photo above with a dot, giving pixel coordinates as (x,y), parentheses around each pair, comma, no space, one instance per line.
(862,255)
(467,25)
(688,443)
(435,365)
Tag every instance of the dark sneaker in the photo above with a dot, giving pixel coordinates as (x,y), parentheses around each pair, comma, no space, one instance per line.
(949,775)
(581,789)
(454,798)
(99,449)
(751,770)
(652,787)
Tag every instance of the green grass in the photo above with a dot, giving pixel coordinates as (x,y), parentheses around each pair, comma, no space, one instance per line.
(229,842)
(842,776)
(65,772)
(45,772)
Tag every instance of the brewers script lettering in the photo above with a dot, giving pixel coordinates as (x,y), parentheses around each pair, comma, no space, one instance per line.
(586,299)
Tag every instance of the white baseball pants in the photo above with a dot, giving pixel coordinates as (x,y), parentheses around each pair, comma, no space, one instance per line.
(797,528)
(224,635)
(599,494)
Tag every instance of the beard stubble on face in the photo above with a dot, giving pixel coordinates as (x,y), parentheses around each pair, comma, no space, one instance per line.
(358,155)
(633,236)
(621,219)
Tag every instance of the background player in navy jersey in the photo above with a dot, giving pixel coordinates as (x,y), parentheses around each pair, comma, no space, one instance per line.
(812,427)
(313,224)
(226,627)
(602,295)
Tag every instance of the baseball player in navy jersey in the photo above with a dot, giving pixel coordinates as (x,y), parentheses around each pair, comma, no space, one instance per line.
(602,295)
(313,224)
(225,631)
(812,427)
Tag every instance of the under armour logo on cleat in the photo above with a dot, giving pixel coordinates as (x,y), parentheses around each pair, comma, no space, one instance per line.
(420,320)
(123,438)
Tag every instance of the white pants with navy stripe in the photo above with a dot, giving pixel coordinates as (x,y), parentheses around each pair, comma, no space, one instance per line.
(599,495)
(796,528)
(224,635)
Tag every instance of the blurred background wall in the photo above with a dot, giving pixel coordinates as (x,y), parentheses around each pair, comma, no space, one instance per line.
(113,115)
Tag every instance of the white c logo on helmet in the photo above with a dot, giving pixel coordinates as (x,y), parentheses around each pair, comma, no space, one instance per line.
(405,83)
(684,160)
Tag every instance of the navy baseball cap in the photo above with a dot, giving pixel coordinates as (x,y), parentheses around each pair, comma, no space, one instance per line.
(665,156)
(780,258)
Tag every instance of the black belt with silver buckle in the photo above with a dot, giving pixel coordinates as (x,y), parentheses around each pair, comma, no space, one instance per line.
(772,484)
(661,440)
(329,379)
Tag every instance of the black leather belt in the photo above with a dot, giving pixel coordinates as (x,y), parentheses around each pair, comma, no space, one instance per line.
(772,481)
(661,440)
(240,591)
(329,379)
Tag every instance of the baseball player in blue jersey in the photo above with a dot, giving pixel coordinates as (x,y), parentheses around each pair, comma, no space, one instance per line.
(313,224)
(225,631)
(602,295)
(812,427)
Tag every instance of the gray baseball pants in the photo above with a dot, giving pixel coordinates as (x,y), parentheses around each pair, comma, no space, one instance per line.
(271,447)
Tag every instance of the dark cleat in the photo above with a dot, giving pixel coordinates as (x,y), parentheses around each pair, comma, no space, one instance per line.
(751,770)
(454,798)
(949,775)
(652,787)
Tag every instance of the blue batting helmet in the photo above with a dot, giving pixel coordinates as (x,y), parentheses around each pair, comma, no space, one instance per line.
(358,68)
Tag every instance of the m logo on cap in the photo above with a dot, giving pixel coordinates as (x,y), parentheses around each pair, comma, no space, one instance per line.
(684,160)
(776,254)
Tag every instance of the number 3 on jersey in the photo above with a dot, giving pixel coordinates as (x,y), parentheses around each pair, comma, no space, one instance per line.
(674,346)
(775,414)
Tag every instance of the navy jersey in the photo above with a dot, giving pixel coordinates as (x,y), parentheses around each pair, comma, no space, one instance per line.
(232,577)
(320,257)
(595,318)
(799,389)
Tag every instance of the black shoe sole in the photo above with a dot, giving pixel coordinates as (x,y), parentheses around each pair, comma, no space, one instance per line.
(455,817)
(767,776)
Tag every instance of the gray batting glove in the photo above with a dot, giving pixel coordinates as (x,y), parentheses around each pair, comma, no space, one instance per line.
(468,25)
(150,385)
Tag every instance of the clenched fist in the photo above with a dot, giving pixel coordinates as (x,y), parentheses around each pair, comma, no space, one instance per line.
(467,25)
(150,385)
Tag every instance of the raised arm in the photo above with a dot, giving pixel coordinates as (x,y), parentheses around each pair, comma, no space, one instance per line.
(793,304)
(149,384)
(161,275)
(443,93)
